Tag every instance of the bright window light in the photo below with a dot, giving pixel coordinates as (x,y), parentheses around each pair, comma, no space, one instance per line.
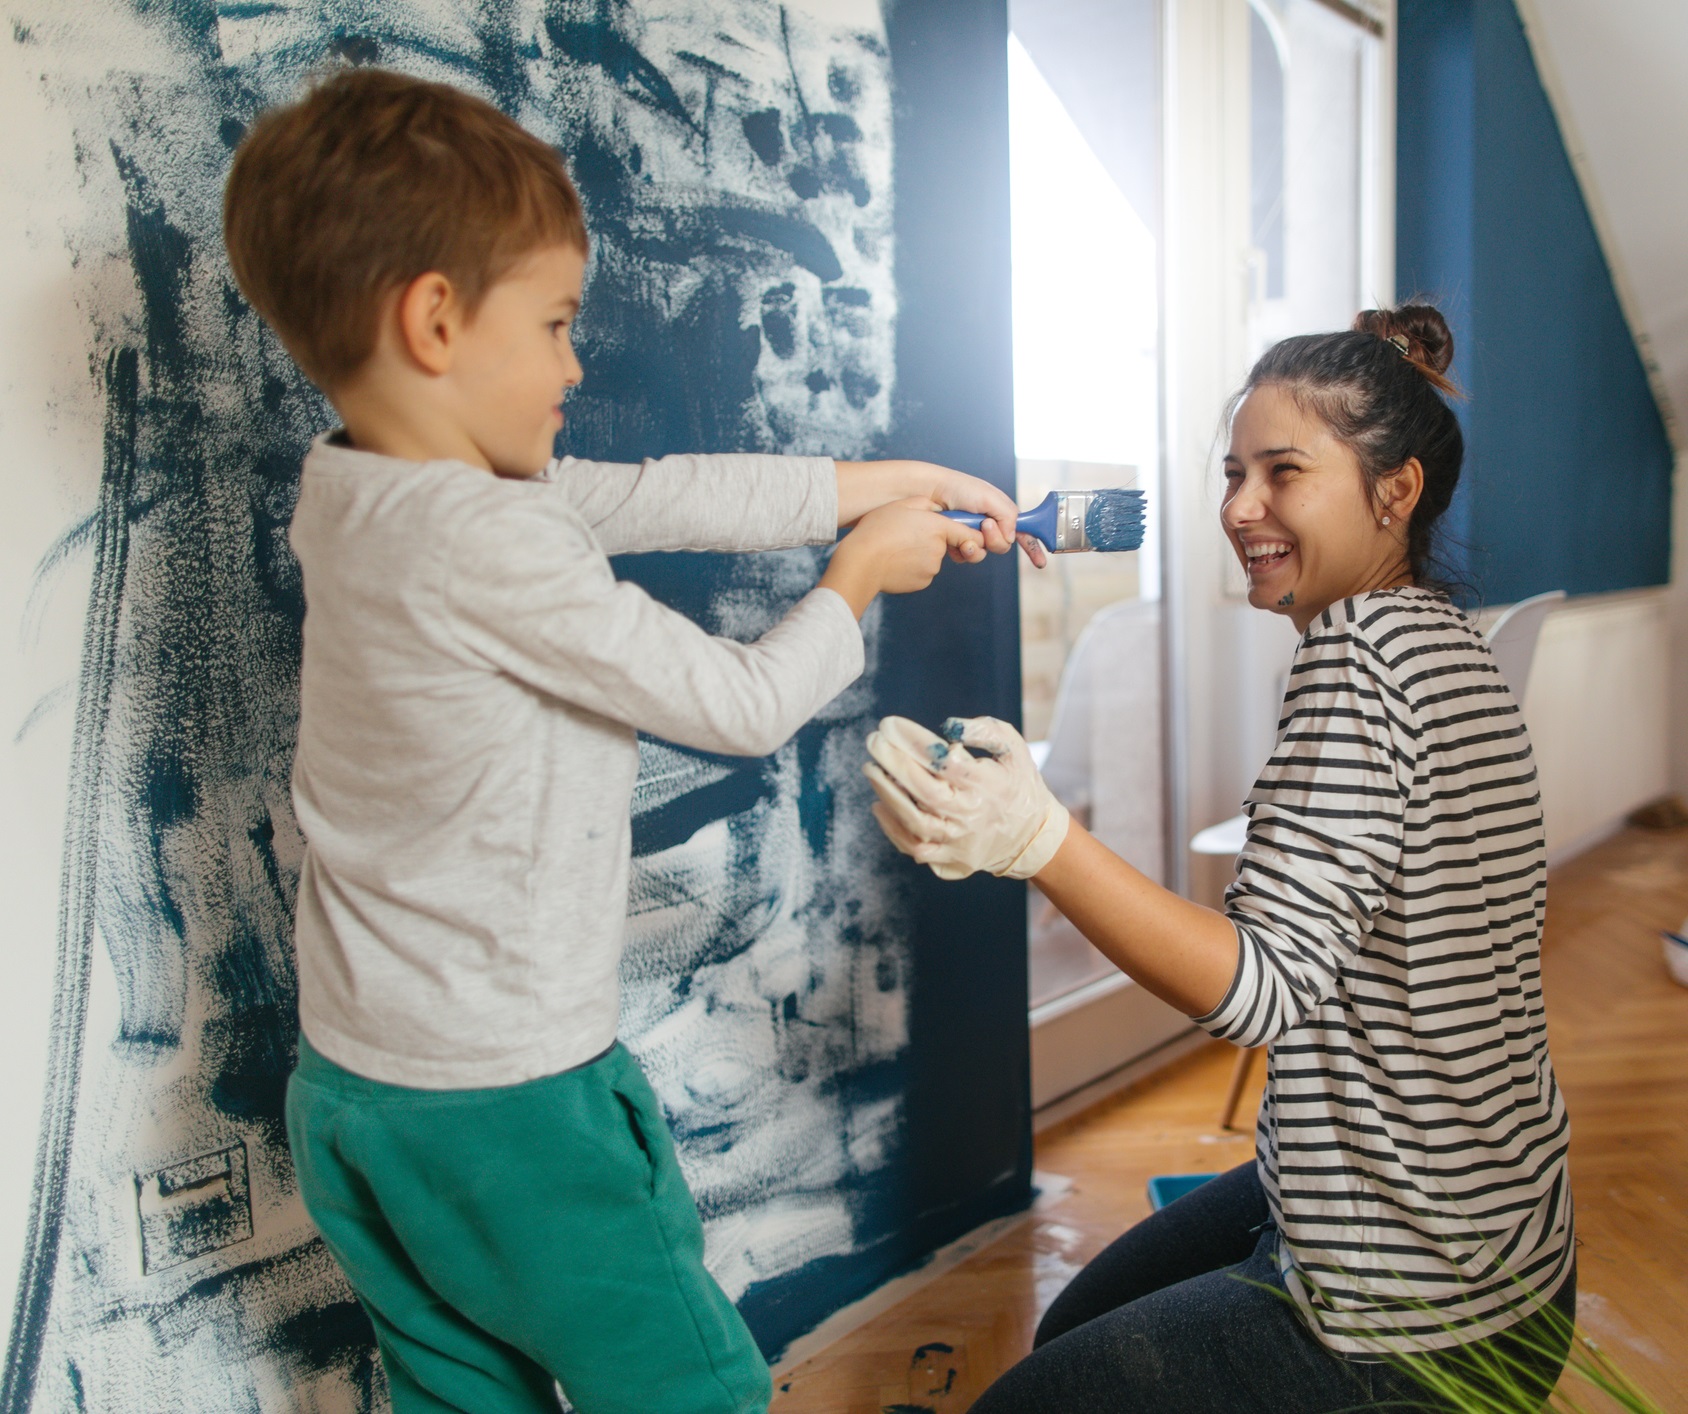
(1084,292)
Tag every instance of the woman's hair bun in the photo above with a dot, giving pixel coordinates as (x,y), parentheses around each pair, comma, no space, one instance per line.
(1429,343)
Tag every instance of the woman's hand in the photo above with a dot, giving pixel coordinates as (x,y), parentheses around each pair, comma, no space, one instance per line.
(865,486)
(957,811)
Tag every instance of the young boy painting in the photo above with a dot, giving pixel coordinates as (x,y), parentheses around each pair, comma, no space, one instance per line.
(484,1160)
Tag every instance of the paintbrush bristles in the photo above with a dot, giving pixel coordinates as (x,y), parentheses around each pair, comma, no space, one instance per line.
(1113,520)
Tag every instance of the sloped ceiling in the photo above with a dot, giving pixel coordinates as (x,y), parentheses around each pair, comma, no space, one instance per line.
(1615,74)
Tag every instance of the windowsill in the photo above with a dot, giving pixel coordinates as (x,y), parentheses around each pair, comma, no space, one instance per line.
(1078,998)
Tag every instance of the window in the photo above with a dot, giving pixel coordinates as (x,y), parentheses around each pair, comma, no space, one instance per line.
(1084,134)
(1312,164)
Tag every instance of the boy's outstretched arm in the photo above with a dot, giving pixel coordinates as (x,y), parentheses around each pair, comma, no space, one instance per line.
(865,486)
(729,502)
(527,591)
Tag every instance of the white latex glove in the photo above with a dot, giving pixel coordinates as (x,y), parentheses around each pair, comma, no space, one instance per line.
(959,811)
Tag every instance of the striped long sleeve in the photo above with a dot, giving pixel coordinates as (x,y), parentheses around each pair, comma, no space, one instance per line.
(1388,907)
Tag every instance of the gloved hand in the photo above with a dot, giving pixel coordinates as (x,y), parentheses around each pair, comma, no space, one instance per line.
(958,810)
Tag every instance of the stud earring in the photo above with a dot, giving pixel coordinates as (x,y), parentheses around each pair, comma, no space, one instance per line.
(1386,520)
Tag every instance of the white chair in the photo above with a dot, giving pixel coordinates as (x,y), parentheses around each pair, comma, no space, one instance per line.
(1103,762)
(1103,759)
(1512,639)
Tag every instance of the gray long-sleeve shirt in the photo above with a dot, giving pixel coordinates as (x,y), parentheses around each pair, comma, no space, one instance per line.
(472,682)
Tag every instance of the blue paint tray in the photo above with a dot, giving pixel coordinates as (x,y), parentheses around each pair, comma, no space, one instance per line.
(1168,1187)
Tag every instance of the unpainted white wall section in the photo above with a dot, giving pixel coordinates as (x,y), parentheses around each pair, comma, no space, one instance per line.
(1598,709)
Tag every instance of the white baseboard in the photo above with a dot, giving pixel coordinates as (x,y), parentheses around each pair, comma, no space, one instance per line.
(1099,1089)
(1095,1032)
(1570,849)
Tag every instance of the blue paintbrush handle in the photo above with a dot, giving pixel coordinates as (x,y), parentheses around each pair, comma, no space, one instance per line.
(1038,522)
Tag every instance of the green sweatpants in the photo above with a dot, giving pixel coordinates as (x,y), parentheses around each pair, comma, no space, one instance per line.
(502,1238)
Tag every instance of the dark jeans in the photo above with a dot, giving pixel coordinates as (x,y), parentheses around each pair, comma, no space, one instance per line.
(1160,1321)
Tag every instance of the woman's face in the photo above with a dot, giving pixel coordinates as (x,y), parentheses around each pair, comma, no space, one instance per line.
(1298,512)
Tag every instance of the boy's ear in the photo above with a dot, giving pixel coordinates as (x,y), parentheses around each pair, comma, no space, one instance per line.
(430,318)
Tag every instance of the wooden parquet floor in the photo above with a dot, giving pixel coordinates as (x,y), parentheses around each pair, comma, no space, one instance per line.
(1618,1028)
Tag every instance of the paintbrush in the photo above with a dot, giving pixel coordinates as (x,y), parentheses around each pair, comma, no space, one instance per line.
(1067,521)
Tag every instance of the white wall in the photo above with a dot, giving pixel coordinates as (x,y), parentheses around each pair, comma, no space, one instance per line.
(1598,712)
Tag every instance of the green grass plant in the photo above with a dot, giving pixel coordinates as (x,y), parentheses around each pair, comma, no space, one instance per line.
(1479,1379)
(1483,1378)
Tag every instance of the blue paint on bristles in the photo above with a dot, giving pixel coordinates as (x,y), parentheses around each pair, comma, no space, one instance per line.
(1113,520)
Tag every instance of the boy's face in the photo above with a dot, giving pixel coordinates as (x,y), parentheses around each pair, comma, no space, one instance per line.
(516,361)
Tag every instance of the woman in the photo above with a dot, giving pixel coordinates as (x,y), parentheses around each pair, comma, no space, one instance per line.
(1383,936)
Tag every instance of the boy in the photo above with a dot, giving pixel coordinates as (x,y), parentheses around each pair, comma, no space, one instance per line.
(482,1157)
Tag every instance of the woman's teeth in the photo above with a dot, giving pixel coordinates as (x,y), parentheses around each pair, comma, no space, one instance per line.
(1264,554)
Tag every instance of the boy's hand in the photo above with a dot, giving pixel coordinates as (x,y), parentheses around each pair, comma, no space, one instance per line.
(864,486)
(897,549)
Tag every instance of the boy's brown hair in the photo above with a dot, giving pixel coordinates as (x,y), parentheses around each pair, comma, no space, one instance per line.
(370,180)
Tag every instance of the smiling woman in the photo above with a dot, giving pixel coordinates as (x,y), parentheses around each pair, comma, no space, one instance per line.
(1343,458)
(1409,1208)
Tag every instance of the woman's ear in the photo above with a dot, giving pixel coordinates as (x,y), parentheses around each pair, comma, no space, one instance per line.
(1398,493)
(430,317)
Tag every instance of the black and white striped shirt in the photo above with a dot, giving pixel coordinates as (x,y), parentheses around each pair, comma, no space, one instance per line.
(1388,905)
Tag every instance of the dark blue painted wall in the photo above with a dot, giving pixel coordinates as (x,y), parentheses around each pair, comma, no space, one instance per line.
(965,1079)
(968,1101)
(1568,472)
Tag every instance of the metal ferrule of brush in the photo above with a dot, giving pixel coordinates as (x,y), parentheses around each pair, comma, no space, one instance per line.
(1071,509)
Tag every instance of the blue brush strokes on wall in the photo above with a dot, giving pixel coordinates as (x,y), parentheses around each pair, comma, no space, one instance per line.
(1568,472)
(720,315)
(964,1081)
